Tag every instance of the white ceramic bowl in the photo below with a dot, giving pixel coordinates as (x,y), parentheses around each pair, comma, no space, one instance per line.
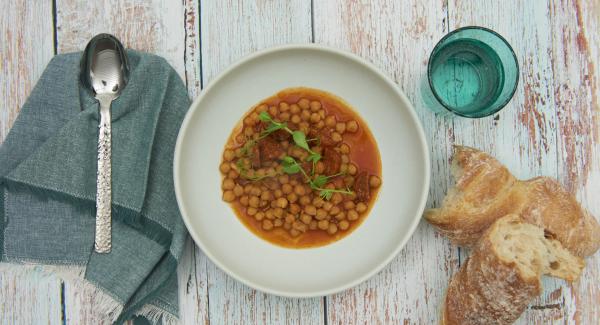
(315,271)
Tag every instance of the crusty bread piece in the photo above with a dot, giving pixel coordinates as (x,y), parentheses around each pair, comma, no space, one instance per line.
(502,275)
(485,191)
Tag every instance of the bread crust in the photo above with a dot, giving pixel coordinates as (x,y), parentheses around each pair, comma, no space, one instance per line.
(490,288)
(486,190)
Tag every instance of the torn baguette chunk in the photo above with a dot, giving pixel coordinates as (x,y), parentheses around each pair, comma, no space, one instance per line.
(485,190)
(502,275)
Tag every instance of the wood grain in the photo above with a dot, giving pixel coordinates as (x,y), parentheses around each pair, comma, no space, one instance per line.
(575,48)
(26,46)
(551,127)
(397,38)
(229,30)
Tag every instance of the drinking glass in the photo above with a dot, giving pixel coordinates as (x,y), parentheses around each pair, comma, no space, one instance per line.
(472,72)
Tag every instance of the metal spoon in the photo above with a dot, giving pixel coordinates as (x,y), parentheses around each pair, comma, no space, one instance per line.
(104,71)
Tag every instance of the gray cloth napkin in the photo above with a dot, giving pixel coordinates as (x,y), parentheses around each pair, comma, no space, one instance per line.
(48,187)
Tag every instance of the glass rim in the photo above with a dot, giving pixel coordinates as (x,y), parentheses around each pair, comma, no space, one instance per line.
(460,29)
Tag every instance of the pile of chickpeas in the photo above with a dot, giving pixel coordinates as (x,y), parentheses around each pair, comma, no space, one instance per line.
(279,200)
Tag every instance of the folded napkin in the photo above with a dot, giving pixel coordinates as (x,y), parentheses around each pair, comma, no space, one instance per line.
(48,187)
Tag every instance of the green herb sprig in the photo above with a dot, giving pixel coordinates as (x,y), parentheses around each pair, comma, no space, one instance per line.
(291,166)
(298,136)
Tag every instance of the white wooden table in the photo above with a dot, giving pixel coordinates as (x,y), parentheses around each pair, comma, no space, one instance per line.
(550,127)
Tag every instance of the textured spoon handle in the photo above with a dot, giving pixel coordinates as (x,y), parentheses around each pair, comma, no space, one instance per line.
(103,180)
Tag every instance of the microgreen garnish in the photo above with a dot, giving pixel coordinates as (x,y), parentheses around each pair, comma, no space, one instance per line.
(298,136)
(291,166)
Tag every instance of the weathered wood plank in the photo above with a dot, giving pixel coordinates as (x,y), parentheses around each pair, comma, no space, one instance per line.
(230,30)
(26,46)
(397,37)
(166,29)
(576,53)
(29,297)
(523,135)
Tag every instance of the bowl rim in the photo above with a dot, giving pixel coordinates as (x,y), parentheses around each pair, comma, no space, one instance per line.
(355,59)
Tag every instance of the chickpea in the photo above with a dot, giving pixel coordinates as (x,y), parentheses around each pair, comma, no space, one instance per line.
(348,205)
(233,174)
(299,189)
(337,198)
(306,218)
(284,116)
(374,181)
(228,196)
(254,201)
(361,207)
(341,216)
(273,111)
(294,208)
(294,182)
(261,108)
(238,190)
(312,225)
(269,214)
(320,168)
(314,117)
(251,211)
(340,127)
(278,222)
(295,119)
(323,224)
(299,226)
(352,170)
(352,215)
(228,184)
(343,168)
(287,226)
(289,218)
(310,209)
(263,203)
(332,229)
(315,106)
(259,216)
(345,159)
(266,196)
(282,202)
(352,126)
(240,138)
(322,114)
(348,180)
(344,225)
(248,132)
(327,206)
(334,210)
(278,212)
(320,124)
(305,116)
(345,149)
(256,191)
(294,109)
(287,188)
(267,224)
(304,127)
(244,200)
(336,137)
(278,193)
(330,121)
(292,197)
(225,168)
(294,233)
(284,107)
(305,200)
(321,214)
(318,202)
(304,103)
(228,155)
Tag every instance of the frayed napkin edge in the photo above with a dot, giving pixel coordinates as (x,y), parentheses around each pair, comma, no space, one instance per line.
(107,306)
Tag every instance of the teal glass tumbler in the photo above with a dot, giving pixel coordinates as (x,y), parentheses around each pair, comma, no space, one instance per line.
(472,72)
